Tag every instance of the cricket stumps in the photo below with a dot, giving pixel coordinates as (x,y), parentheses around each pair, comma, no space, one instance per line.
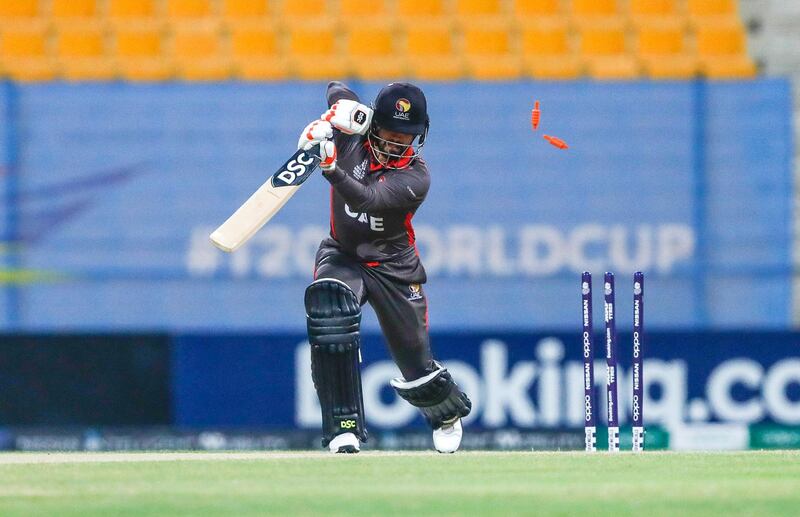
(612,374)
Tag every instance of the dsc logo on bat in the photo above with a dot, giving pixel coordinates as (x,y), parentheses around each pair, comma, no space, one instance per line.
(293,172)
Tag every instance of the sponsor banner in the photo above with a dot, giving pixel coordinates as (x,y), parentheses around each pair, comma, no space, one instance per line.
(93,379)
(709,437)
(166,439)
(774,437)
(515,380)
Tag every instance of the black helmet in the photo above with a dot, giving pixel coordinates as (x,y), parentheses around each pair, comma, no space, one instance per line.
(402,108)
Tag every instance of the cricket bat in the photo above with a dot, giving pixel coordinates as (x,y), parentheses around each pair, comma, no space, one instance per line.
(266,201)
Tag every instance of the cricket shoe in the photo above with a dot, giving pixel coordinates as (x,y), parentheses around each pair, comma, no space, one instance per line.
(447,438)
(346,443)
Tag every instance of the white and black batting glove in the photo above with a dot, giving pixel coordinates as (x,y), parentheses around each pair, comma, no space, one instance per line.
(349,117)
(314,133)
(327,155)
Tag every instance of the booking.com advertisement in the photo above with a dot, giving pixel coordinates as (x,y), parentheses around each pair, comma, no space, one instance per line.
(515,380)
(112,191)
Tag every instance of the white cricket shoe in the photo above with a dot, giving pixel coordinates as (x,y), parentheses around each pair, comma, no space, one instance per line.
(346,443)
(448,437)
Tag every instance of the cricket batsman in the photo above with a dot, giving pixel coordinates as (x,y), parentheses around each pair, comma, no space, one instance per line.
(371,157)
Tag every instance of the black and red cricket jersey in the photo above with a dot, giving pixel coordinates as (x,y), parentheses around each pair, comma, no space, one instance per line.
(372,207)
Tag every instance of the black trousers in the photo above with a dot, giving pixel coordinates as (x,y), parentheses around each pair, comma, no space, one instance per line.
(401,307)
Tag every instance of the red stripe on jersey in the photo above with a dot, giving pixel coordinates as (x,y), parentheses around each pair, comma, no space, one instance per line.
(333,228)
(372,264)
(412,240)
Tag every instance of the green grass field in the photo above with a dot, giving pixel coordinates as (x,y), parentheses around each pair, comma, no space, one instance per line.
(408,484)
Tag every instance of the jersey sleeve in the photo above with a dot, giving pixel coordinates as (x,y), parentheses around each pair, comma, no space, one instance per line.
(401,189)
(337,91)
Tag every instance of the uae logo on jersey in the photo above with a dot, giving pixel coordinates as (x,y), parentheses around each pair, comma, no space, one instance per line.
(415,292)
(402,108)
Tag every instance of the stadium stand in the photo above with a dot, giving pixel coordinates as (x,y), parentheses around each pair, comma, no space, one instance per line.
(547,50)
(256,53)
(429,52)
(663,49)
(380,39)
(371,52)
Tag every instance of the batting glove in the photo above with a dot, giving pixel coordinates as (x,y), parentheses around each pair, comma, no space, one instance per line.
(315,133)
(327,155)
(349,117)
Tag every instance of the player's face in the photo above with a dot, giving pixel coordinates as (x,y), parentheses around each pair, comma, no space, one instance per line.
(391,144)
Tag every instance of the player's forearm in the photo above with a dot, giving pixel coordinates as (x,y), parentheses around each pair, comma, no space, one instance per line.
(338,91)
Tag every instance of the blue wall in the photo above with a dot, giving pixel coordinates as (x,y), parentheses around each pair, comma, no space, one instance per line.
(117,187)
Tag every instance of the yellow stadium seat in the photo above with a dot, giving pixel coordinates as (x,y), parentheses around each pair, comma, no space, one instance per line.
(429,40)
(313,53)
(369,40)
(209,69)
(661,38)
(370,69)
(536,8)
(612,67)
(488,69)
(87,69)
(435,68)
(189,9)
(24,51)
(653,8)
(560,68)
(720,39)
(551,37)
(372,54)
(138,40)
(602,39)
(305,8)
(197,52)
(594,8)
(146,69)
(309,68)
(664,50)
(28,69)
(196,41)
(488,52)
(728,67)
(245,9)
(713,8)
(430,52)
(80,41)
(546,46)
(478,8)
(262,69)
(482,39)
(416,10)
(682,66)
(255,48)
(23,41)
(360,8)
(71,9)
(130,9)
(19,9)
(312,40)
(254,40)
